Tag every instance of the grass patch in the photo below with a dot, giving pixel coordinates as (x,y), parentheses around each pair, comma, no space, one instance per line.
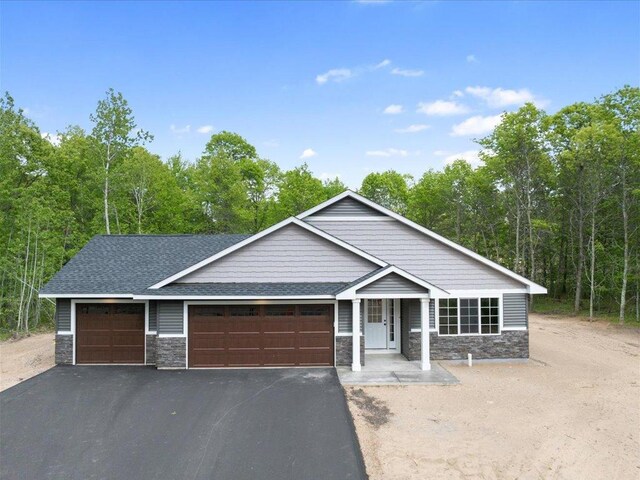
(6,333)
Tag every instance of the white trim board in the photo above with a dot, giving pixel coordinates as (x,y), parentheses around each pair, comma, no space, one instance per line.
(533,288)
(251,298)
(351,292)
(264,233)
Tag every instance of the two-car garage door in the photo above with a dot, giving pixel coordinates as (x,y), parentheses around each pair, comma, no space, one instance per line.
(260,335)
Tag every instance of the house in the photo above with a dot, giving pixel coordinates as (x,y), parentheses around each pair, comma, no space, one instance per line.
(320,289)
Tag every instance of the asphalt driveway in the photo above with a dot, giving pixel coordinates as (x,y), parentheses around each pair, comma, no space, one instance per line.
(138,422)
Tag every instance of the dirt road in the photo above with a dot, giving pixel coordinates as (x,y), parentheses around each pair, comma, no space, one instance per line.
(24,358)
(572,412)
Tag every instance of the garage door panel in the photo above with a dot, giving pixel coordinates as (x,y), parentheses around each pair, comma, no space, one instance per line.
(110,333)
(267,335)
(205,340)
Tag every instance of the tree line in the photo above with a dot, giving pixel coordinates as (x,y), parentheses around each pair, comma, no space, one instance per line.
(556,197)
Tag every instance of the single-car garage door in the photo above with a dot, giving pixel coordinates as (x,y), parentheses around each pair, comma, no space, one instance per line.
(110,333)
(260,335)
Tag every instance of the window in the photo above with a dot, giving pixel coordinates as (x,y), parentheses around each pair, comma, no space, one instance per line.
(392,321)
(280,310)
(208,311)
(243,311)
(374,311)
(469,315)
(448,316)
(489,315)
(314,310)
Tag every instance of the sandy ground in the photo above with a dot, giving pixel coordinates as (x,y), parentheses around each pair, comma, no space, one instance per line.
(572,412)
(24,358)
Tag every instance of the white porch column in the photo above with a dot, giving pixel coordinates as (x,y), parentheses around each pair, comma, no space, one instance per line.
(424,335)
(355,328)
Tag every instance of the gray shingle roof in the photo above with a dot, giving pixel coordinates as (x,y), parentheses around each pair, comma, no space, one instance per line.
(126,264)
(279,289)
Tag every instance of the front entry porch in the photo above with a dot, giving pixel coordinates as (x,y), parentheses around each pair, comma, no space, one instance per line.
(394,369)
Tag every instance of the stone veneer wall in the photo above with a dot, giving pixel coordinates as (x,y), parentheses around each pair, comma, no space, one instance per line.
(64,350)
(509,344)
(151,341)
(171,352)
(344,352)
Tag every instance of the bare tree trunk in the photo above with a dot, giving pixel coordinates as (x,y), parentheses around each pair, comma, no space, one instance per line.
(625,269)
(592,275)
(115,210)
(517,269)
(33,281)
(24,280)
(106,191)
(576,303)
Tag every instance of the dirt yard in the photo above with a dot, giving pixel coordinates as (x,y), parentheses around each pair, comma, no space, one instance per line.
(24,358)
(571,412)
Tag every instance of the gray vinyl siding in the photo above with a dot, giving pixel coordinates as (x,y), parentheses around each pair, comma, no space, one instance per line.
(347,207)
(432,314)
(390,284)
(291,254)
(427,258)
(515,314)
(345,316)
(170,316)
(63,314)
(153,316)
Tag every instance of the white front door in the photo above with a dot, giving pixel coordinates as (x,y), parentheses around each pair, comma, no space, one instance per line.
(375,324)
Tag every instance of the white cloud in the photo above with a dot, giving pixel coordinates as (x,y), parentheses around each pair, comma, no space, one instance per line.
(387,152)
(334,75)
(384,63)
(477,125)
(472,59)
(413,128)
(470,156)
(458,93)
(308,153)
(52,138)
(273,143)
(440,153)
(500,97)
(442,108)
(205,129)
(407,73)
(394,109)
(180,130)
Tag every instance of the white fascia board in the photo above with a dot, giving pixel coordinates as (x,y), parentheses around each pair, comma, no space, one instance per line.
(231,297)
(351,292)
(485,293)
(85,295)
(534,288)
(264,233)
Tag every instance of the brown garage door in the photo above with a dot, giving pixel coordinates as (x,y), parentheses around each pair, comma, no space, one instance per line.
(110,333)
(260,335)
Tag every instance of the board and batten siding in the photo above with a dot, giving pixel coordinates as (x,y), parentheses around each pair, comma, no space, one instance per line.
(347,207)
(153,316)
(291,254)
(170,318)
(413,251)
(345,316)
(515,311)
(63,314)
(392,284)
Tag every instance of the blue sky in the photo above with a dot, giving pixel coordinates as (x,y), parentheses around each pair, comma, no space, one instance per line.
(358,86)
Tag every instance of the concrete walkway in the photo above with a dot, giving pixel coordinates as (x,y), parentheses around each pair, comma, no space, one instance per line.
(395,369)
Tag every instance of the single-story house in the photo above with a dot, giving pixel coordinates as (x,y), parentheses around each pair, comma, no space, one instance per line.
(320,289)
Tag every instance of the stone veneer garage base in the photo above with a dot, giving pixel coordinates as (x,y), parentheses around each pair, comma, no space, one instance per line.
(509,344)
(344,353)
(64,349)
(171,352)
(151,349)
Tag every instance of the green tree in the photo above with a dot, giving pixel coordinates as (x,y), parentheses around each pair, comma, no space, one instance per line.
(390,189)
(116,133)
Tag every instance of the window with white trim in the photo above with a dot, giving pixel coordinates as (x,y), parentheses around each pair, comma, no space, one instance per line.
(448,315)
(469,316)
